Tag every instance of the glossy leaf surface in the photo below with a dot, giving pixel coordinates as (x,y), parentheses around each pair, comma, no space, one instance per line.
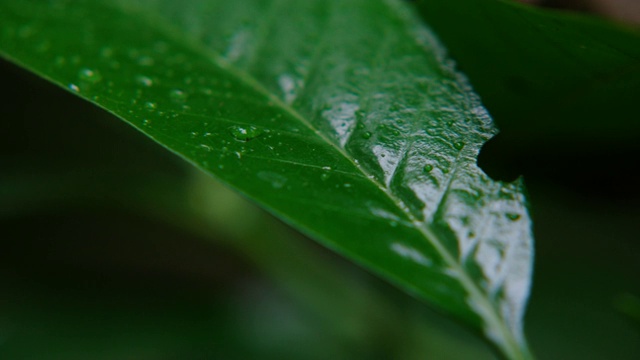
(344,118)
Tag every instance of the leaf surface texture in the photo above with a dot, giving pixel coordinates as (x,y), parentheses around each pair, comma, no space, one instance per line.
(344,118)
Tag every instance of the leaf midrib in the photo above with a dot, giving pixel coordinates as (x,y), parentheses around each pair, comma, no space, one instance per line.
(489,314)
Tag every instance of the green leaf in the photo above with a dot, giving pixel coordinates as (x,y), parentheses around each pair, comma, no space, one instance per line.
(542,72)
(344,118)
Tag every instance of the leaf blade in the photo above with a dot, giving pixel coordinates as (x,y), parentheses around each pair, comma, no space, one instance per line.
(394,186)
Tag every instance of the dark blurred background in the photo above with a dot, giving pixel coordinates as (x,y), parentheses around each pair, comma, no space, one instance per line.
(113,248)
(624,10)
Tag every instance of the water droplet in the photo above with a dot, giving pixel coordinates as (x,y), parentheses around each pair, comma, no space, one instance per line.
(74,87)
(146,122)
(150,105)
(325,176)
(245,133)
(513,216)
(458,145)
(366,135)
(178,95)
(428,168)
(89,76)
(144,81)
(327,168)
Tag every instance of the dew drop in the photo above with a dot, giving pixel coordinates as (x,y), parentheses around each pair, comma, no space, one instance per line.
(178,95)
(144,80)
(90,76)
(146,122)
(428,168)
(245,133)
(325,176)
(458,145)
(513,216)
(150,105)
(74,87)
(366,135)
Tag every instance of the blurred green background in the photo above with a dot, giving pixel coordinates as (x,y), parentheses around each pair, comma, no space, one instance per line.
(113,248)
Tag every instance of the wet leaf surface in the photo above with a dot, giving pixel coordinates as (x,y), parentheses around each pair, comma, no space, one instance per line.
(346,120)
